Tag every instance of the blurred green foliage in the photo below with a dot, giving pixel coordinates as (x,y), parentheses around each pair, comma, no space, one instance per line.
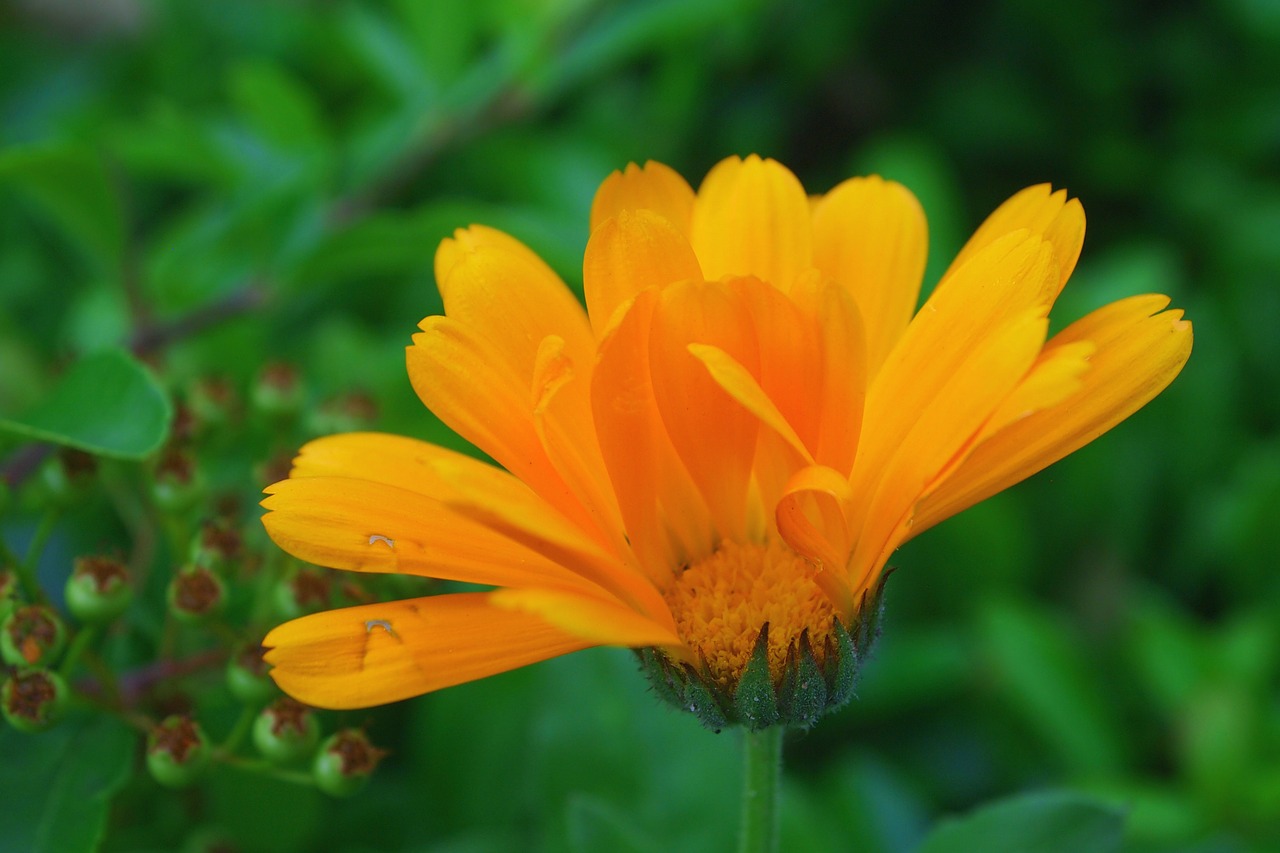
(220,186)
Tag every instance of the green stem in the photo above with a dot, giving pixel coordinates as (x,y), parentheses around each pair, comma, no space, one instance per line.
(762,770)
(241,728)
(27,568)
(83,640)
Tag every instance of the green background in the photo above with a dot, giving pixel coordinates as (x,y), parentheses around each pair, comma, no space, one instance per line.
(282,171)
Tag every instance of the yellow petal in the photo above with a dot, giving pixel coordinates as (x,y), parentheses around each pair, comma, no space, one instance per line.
(656,187)
(665,515)
(629,252)
(594,619)
(365,526)
(714,436)
(378,653)
(752,217)
(870,235)
(1006,279)
(466,241)
(942,433)
(1041,211)
(1138,353)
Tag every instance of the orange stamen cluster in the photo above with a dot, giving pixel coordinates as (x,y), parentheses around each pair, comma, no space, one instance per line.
(721,603)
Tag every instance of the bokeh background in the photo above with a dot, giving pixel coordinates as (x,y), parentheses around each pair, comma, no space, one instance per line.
(226,185)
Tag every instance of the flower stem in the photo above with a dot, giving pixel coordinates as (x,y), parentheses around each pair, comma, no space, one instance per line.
(762,768)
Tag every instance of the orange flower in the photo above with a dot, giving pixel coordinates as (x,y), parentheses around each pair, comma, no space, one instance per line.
(739,430)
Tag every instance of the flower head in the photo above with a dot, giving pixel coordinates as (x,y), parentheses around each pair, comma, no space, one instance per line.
(714,461)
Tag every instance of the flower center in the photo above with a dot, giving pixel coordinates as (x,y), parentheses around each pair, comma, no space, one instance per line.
(721,603)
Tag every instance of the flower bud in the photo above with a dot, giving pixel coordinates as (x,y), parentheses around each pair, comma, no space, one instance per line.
(33,699)
(98,590)
(286,731)
(196,594)
(218,545)
(350,412)
(345,762)
(278,390)
(32,636)
(212,401)
(177,483)
(68,474)
(247,676)
(307,591)
(177,751)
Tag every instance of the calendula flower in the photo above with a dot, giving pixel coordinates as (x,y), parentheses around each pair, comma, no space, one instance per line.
(713,462)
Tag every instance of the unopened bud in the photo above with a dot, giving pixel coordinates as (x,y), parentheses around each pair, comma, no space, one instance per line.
(33,699)
(350,412)
(177,484)
(196,594)
(218,545)
(98,589)
(345,762)
(68,474)
(278,390)
(177,751)
(306,591)
(32,636)
(247,676)
(286,731)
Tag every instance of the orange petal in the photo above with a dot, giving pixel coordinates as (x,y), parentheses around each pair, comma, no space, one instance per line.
(629,252)
(656,187)
(736,381)
(665,516)
(714,436)
(870,235)
(459,377)
(811,519)
(834,323)
(1139,352)
(1041,211)
(378,653)
(510,299)
(364,526)
(752,217)
(551,536)
(590,617)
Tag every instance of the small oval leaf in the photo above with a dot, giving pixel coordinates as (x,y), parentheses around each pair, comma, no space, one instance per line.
(107,404)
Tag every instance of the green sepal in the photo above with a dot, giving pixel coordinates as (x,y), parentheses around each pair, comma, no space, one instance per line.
(842,665)
(679,685)
(806,691)
(755,701)
(803,696)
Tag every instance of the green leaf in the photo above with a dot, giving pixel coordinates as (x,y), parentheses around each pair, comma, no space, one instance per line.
(72,187)
(277,105)
(61,783)
(594,824)
(1046,676)
(107,404)
(1047,822)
